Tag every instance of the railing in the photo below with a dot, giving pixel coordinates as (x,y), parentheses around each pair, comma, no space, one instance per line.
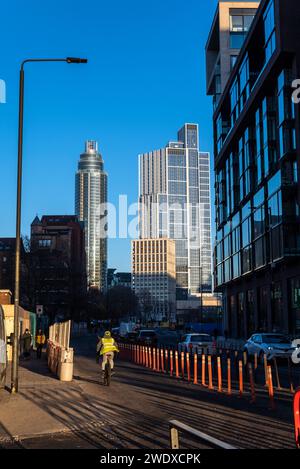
(59,334)
(176,427)
(232,373)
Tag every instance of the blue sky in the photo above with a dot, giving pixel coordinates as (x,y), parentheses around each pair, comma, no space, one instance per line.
(145,79)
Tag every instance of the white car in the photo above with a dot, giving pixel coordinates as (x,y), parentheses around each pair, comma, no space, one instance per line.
(196,343)
(271,345)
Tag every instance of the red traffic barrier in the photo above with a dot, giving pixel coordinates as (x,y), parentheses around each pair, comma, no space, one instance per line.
(297,417)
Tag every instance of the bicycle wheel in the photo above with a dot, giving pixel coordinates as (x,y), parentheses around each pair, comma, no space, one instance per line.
(107,373)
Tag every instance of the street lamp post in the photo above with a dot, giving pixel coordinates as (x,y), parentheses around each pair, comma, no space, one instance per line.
(15,358)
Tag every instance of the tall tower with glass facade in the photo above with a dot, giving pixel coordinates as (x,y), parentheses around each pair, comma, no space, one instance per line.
(174,199)
(90,201)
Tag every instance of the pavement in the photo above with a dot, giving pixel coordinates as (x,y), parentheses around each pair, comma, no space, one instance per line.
(133,413)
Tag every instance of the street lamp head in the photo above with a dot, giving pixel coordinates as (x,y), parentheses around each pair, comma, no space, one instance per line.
(76,60)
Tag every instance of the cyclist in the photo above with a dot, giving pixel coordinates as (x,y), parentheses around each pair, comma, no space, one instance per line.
(106,348)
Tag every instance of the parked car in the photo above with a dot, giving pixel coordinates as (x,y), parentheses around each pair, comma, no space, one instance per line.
(115,332)
(131,337)
(196,343)
(271,345)
(147,337)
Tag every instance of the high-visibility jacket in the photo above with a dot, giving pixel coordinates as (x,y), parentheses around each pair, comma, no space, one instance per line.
(40,339)
(108,345)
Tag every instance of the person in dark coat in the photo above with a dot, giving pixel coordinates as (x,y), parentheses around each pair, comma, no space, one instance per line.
(26,341)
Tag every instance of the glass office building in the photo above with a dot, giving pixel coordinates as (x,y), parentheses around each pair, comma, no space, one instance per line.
(174,198)
(91,197)
(257,163)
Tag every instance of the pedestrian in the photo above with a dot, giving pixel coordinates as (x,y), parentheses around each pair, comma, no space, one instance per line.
(26,341)
(40,341)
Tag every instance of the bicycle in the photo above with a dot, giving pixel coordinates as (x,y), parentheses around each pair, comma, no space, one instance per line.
(107,372)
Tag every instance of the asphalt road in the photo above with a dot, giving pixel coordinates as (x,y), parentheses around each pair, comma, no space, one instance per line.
(135,410)
(139,404)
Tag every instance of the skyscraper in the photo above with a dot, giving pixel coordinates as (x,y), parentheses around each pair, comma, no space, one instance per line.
(91,197)
(174,198)
(257,165)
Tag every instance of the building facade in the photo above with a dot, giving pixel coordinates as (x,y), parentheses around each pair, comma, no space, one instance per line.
(90,203)
(118,279)
(230,27)
(7,269)
(257,165)
(174,199)
(58,265)
(154,277)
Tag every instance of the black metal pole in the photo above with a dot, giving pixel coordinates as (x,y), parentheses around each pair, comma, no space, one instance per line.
(15,357)
(16,344)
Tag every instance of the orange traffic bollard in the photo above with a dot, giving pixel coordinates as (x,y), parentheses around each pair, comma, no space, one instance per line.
(150,357)
(255,361)
(157,359)
(166,360)
(182,364)
(297,417)
(154,359)
(210,378)
(219,374)
(171,363)
(176,364)
(188,366)
(203,370)
(162,360)
(252,385)
(271,387)
(141,355)
(241,378)
(229,376)
(146,357)
(195,368)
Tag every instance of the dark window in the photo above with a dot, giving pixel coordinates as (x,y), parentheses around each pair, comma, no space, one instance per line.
(286,114)
(276,297)
(269,27)
(263,298)
(294,288)
(239,27)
